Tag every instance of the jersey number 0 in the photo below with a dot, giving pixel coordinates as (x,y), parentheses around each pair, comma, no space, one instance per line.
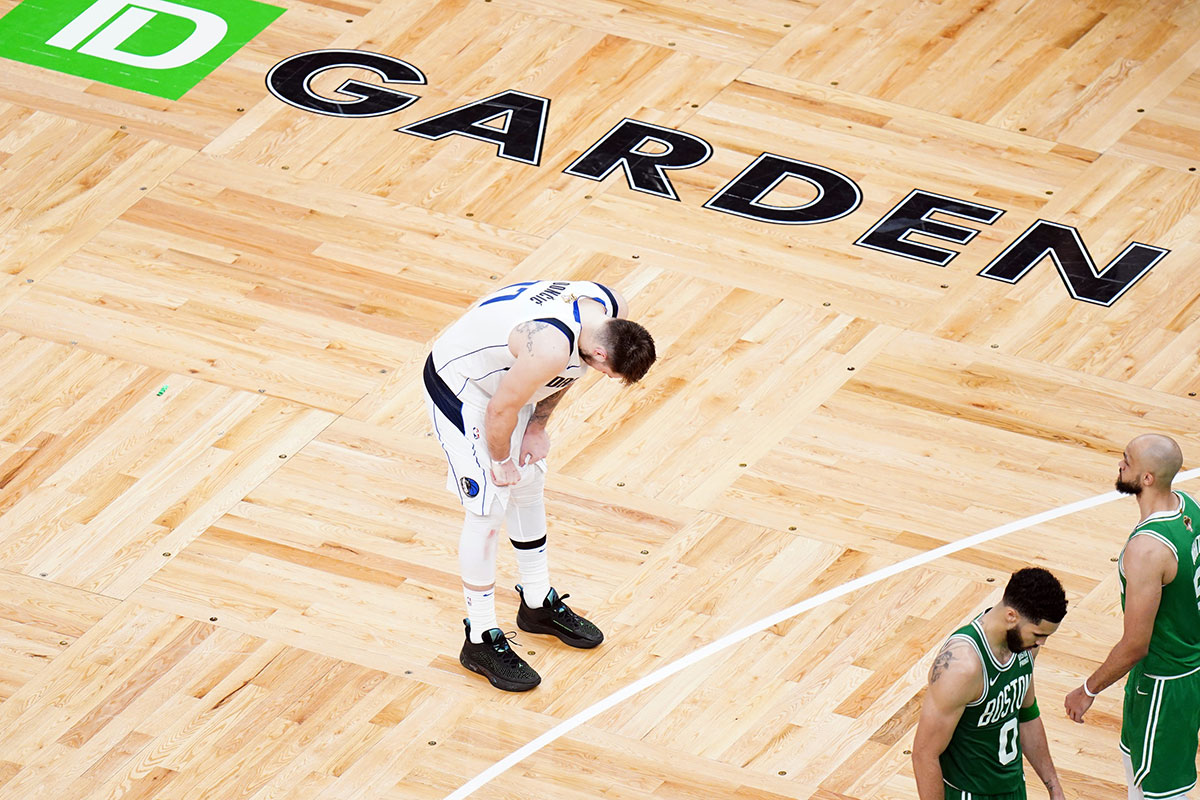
(1008,742)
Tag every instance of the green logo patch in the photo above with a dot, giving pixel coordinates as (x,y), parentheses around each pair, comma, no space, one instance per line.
(159,47)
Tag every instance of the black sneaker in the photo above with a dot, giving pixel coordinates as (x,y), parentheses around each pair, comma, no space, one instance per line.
(556,619)
(495,660)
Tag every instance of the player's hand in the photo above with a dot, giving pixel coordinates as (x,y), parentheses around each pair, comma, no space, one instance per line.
(535,445)
(505,473)
(1077,704)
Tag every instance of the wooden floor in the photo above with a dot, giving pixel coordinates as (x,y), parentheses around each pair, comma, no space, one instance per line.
(227,560)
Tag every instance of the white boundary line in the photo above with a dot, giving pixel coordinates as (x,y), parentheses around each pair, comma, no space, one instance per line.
(712,648)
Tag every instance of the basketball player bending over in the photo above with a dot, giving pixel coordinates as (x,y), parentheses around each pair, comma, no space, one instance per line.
(980,711)
(491,383)
(1160,646)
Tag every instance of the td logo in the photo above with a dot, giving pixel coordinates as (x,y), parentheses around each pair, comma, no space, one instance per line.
(159,47)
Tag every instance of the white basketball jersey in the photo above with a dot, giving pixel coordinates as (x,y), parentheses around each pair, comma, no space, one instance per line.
(472,355)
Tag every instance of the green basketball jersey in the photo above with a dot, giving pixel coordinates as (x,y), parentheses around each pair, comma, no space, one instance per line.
(984,754)
(1175,641)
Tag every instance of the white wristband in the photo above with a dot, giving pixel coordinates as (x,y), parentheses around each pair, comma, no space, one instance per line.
(1088,691)
(496,463)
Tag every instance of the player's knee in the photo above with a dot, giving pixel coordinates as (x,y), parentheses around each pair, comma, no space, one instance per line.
(530,488)
(484,525)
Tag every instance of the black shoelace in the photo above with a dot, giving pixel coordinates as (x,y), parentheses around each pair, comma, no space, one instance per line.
(506,653)
(561,607)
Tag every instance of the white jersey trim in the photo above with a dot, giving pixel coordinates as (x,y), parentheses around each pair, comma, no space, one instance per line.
(979,655)
(1012,657)
(1159,537)
(1173,677)
(1159,516)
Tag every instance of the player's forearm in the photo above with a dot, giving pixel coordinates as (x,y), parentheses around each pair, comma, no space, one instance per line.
(1037,753)
(545,407)
(1120,660)
(927,770)
(499,423)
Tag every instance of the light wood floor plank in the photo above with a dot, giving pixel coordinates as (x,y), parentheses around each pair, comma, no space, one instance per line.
(228,561)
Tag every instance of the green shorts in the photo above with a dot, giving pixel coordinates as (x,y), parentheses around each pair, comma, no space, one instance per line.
(1159,731)
(958,794)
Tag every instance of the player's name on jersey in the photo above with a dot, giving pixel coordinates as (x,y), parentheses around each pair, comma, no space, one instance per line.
(549,293)
(515,122)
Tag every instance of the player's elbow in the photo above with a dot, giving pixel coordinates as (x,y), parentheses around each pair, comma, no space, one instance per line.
(1134,650)
(927,770)
(499,411)
(923,755)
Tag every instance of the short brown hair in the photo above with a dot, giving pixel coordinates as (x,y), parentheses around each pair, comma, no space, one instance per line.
(1036,595)
(630,349)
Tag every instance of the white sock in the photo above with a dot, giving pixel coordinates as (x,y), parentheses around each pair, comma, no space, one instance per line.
(481,610)
(526,516)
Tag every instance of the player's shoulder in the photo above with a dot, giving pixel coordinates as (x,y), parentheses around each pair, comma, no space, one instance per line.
(957,674)
(958,657)
(1148,547)
(547,340)
(961,649)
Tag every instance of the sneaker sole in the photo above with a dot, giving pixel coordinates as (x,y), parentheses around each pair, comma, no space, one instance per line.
(581,644)
(499,683)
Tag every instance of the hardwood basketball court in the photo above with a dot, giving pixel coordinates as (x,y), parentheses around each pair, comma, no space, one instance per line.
(227,558)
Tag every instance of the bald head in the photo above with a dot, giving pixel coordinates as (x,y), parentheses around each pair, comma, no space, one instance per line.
(1151,462)
(1157,454)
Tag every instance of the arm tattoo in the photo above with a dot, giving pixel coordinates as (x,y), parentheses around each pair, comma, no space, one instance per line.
(941,663)
(529,329)
(542,411)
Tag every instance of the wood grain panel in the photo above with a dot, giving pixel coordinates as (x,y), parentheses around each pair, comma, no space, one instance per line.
(228,560)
